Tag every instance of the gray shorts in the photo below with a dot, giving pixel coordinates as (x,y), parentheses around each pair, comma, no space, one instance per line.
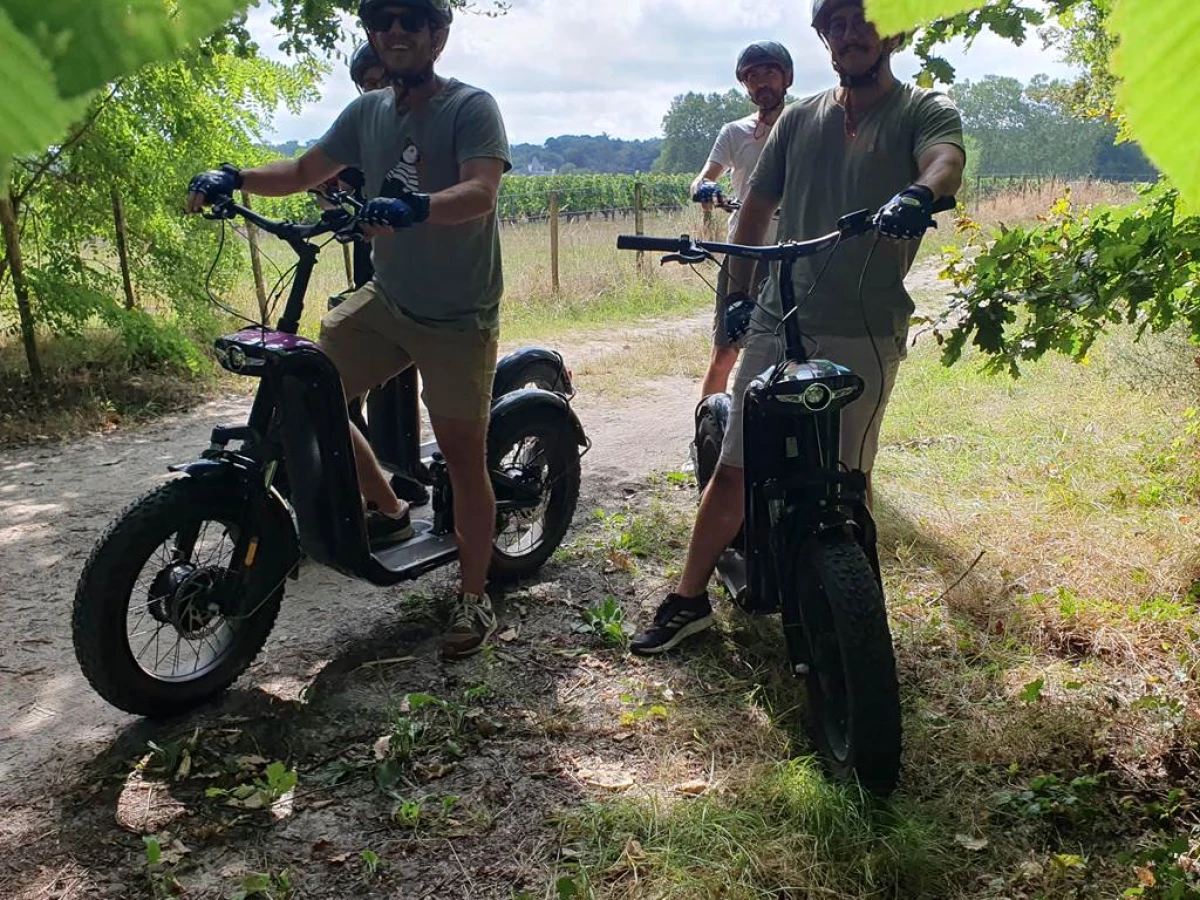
(720,338)
(858,419)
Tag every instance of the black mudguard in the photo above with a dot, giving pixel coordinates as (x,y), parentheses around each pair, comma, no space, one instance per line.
(510,370)
(275,520)
(518,404)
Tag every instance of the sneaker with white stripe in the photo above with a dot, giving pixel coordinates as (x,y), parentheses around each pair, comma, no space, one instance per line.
(677,618)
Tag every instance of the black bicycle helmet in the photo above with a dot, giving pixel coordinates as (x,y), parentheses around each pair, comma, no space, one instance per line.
(764,53)
(441,13)
(363,58)
(822,8)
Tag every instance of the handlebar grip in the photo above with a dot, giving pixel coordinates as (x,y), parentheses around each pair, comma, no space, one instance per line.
(652,244)
(945,204)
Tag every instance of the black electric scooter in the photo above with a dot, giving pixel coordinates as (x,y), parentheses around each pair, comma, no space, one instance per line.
(180,594)
(807,548)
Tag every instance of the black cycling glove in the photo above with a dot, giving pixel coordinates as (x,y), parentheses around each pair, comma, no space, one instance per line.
(739,309)
(216,184)
(907,215)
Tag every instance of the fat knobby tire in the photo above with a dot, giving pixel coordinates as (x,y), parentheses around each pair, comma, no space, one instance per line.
(837,587)
(556,431)
(102,599)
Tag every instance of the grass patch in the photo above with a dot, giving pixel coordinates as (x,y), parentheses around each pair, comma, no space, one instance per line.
(780,829)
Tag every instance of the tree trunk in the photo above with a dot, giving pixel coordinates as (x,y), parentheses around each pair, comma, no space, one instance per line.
(122,247)
(12,243)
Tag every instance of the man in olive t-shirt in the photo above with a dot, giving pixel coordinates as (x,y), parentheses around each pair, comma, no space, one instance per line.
(855,146)
(432,152)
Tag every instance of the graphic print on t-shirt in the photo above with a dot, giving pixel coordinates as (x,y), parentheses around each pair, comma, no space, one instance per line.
(406,174)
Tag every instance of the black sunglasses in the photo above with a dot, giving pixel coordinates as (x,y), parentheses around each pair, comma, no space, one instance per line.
(411,20)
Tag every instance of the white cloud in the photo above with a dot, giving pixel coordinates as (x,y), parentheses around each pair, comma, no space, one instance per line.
(583,67)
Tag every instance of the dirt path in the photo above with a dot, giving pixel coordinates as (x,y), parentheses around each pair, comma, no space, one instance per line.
(56,500)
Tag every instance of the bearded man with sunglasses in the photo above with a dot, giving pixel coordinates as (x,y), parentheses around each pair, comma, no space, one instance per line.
(869,139)
(432,151)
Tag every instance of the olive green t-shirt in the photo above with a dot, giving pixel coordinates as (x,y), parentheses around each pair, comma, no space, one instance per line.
(441,275)
(818,174)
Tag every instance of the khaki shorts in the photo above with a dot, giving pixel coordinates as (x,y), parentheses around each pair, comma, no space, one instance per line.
(859,419)
(720,338)
(370,341)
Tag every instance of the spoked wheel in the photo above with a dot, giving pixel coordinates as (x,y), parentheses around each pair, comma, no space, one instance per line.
(537,458)
(162,622)
(851,683)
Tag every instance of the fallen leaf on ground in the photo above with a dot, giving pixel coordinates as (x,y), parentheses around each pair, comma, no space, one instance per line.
(693,788)
(971,843)
(609,781)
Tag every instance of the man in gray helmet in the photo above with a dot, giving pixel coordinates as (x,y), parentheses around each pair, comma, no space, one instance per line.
(432,151)
(765,69)
(871,142)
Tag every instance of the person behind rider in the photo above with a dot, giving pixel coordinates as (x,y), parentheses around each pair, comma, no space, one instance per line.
(765,69)
(854,146)
(432,151)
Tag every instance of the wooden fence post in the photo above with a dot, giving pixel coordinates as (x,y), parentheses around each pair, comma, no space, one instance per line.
(639,220)
(122,246)
(348,262)
(260,288)
(554,241)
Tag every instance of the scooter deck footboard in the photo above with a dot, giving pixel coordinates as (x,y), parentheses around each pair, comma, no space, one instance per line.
(418,555)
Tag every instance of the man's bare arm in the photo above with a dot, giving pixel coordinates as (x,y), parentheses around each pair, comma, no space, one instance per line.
(753,222)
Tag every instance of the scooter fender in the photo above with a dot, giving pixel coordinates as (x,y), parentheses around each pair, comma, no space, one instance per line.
(510,369)
(247,481)
(520,403)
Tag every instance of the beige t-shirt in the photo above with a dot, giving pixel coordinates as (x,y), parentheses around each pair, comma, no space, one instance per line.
(818,174)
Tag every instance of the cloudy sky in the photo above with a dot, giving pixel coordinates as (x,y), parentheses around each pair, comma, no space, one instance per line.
(587,67)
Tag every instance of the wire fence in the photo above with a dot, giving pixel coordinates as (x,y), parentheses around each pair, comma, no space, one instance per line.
(982,187)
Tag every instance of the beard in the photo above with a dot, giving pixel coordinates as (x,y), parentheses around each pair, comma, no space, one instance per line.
(413,77)
(861,51)
(411,70)
(767,98)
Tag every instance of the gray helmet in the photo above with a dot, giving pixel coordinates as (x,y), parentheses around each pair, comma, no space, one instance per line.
(821,10)
(764,53)
(363,58)
(441,13)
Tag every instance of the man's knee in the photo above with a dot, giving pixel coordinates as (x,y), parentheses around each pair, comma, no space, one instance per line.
(462,442)
(724,355)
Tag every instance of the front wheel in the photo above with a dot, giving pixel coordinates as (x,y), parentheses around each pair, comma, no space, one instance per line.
(161,621)
(852,688)
(536,452)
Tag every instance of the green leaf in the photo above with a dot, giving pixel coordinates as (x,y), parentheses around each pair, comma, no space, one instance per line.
(895,16)
(90,44)
(1032,691)
(1165,122)
(55,53)
(153,850)
(31,113)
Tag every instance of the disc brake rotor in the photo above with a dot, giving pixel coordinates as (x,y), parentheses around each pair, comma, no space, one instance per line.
(187,597)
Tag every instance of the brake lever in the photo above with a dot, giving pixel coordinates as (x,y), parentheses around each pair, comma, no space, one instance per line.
(220,210)
(688,257)
(349,235)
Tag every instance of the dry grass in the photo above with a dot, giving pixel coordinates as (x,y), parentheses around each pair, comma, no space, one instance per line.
(1050,698)
(1021,204)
